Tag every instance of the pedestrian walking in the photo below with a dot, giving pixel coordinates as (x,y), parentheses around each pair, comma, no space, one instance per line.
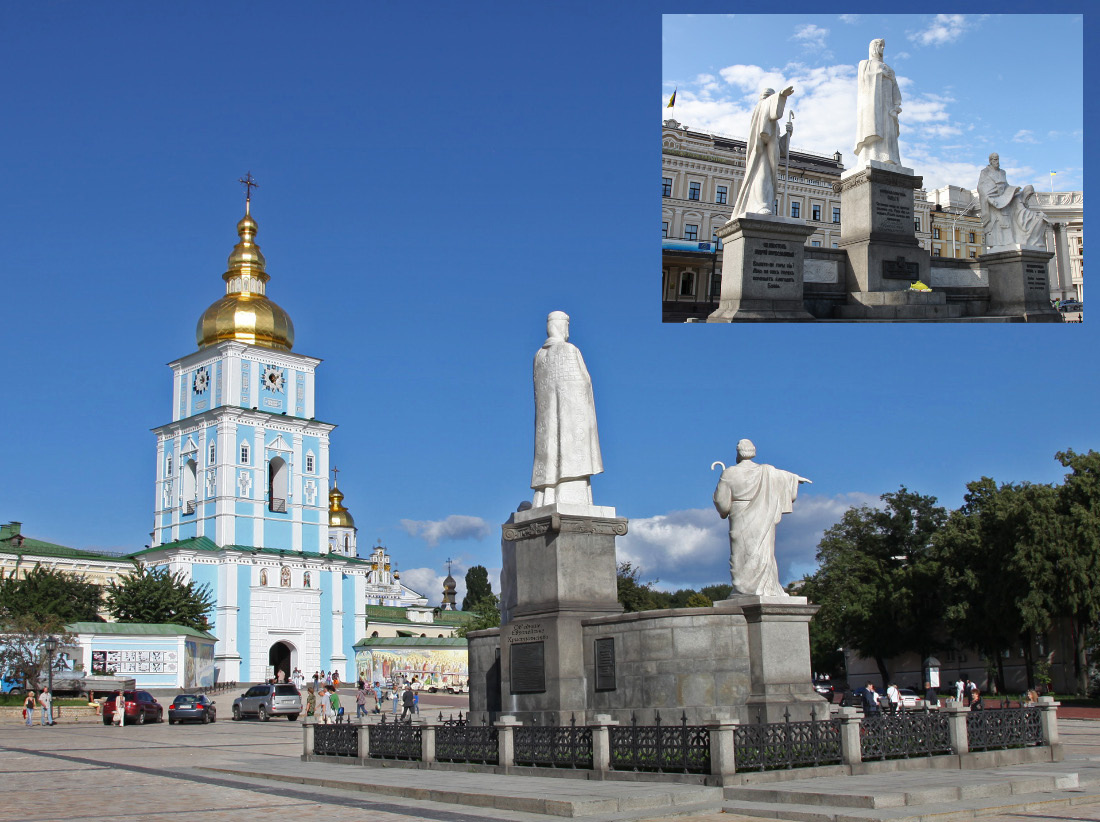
(361,701)
(377,697)
(311,701)
(893,697)
(28,709)
(45,699)
(870,700)
(335,711)
(960,685)
(931,698)
(395,695)
(408,704)
(120,709)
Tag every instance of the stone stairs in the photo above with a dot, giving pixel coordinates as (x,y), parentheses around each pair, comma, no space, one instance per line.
(928,796)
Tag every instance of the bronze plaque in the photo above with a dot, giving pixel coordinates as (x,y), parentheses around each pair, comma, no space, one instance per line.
(605,664)
(527,668)
(900,269)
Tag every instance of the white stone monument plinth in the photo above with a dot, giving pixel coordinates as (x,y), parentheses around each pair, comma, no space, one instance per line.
(1019,285)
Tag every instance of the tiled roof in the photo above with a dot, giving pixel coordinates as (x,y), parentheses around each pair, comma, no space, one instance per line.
(135,629)
(411,642)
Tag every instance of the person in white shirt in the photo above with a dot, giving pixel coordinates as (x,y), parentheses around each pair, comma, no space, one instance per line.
(894,697)
(45,699)
(959,685)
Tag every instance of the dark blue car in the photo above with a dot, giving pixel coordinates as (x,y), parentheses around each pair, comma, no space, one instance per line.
(192,708)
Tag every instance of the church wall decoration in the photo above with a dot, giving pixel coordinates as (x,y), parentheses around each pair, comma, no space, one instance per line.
(284,577)
(436,666)
(263,576)
(135,662)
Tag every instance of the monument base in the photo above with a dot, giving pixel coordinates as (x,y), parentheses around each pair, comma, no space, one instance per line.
(762,270)
(883,253)
(1019,285)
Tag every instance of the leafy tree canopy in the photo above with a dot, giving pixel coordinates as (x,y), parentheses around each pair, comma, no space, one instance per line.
(50,595)
(477,588)
(486,615)
(159,595)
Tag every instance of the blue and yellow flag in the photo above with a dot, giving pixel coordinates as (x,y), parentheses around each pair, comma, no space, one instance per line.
(672,100)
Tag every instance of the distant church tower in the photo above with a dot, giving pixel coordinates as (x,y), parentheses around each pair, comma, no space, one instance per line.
(341,525)
(449,588)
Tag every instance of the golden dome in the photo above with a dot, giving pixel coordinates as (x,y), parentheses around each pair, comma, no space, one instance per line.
(245,313)
(338,515)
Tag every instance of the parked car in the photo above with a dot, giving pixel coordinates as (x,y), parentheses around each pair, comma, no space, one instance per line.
(140,707)
(459,687)
(910,699)
(266,701)
(1071,305)
(192,707)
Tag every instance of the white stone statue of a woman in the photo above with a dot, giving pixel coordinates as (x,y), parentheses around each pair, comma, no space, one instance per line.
(878,103)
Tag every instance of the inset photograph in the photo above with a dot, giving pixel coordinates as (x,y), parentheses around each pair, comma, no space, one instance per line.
(871,168)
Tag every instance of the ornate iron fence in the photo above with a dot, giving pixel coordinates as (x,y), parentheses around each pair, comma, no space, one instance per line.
(1003,728)
(774,745)
(904,734)
(679,748)
(466,743)
(394,740)
(336,740)
(564,746)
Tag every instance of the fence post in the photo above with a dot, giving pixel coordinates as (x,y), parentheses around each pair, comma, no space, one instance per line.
(364,741)
(956,725)
(308,724)
(601,743)
(427,740)
(506,741)
(851,751)
(1048,716)
(723,757)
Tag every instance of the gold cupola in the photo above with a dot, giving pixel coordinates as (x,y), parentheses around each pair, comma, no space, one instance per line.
(245,313)
(338,515)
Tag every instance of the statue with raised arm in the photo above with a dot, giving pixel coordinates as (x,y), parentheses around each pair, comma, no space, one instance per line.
(763,148)
(754,498)
(878,103)
(567,444)
(1007,219)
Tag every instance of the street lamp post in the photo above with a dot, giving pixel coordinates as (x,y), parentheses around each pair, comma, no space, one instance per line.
(50,645)
(955,222)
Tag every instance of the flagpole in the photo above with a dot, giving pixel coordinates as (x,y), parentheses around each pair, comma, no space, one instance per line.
(1052,181)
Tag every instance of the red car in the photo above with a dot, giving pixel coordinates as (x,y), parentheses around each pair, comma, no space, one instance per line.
(140,708)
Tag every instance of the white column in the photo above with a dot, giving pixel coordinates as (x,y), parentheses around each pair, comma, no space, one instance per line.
(259,485)
(298,492)
(339,657)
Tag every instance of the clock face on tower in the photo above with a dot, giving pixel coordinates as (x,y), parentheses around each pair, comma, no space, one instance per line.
(201,380)
(272,378)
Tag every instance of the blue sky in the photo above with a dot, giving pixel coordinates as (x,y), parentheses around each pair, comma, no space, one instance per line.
(971,84)
(432,184)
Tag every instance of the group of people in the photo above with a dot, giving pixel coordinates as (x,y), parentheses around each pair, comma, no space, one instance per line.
(323,702)
(320,678)
(44,701)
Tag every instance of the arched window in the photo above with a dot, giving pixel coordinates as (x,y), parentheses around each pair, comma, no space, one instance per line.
(374,633)
(278,482)
(305,579)
(211,453)
(263,576)
(189,487)
(347,543)
(168,466)
(284,577)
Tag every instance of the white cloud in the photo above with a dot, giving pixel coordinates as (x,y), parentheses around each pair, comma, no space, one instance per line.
(454,527)
(850,19)
(1024,136)
(945,28)
(427,582)
(752,79)
(811,36)
(902,55)
(690,548)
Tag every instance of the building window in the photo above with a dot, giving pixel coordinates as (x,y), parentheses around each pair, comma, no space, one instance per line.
(347,543)
(916,223)
(168,466)
(973,254)
(971,236)
(664,229)
(815,243)
(691,232)
(716,284)
(817,214)
(244,453)
(687,283)
(935,233)
(795,208)
(935,251)
(720,195)
(693,191)
(211,452)
(834,245)
(309,463)
(278,482)
(189,487)
(836,215)
(714,239)
(666,187)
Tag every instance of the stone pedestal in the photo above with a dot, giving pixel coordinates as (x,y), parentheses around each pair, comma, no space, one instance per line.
(762,270)
(779,658)
(878,233)
(1018,284)
(565,573)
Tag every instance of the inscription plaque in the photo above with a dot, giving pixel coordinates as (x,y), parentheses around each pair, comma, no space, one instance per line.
(605,664)
(527,668)
(773,265)
(899,269)
(1036,277)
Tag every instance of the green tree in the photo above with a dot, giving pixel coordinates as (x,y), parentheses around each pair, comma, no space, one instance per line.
(717,592)
(486,613)
(477,588)
(159,595)
(1077,554)
(50,595)
(635,595)
(23,654)
(877,583)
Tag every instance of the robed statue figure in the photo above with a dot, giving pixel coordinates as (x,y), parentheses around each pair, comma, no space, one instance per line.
(763,148)
(754,498)
(567,444)
(1007,218)
(878,103)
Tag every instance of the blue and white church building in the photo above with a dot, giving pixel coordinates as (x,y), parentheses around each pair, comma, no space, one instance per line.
(242,499)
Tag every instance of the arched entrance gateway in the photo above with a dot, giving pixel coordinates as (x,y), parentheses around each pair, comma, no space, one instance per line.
(279,658)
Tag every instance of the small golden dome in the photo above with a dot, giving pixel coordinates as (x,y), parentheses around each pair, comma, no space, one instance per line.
(338,515)
(245,313)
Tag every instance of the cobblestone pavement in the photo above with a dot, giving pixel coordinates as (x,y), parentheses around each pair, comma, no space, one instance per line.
(90,772)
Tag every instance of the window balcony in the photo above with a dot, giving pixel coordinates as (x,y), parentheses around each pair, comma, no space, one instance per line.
(189,506)
(278,505)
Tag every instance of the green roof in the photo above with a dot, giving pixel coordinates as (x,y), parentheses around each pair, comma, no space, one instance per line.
(135,629)
(207,544)
(412,642)
(456,617)
(10,533)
